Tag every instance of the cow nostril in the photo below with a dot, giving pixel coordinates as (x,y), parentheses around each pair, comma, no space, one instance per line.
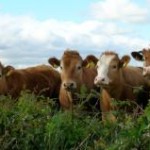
(68,85)
(65,85)
(71,84)
(103,79)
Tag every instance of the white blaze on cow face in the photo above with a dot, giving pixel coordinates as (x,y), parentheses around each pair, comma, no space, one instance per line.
(103,67)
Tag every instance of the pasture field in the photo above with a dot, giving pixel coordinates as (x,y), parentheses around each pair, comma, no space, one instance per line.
(36,123)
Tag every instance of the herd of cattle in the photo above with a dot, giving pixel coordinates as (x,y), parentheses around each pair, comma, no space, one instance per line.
(114,77)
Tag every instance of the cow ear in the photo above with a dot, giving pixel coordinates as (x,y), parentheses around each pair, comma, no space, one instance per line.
(7,69)
(90,61)
(54,62)
(124,61)
(138,55)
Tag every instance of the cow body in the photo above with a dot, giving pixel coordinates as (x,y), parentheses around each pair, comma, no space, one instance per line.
(74,76)
(117,81)
(41,80)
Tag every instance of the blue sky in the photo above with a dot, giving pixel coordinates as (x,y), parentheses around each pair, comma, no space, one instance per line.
(31,31)
(74,10)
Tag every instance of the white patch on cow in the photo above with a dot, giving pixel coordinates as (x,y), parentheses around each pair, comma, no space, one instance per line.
(146,71)
(103,68)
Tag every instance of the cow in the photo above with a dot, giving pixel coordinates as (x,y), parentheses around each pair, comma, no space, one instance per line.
(74,75)
(40,80)
(117,81)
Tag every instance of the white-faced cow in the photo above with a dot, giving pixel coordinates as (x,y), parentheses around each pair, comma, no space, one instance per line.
(117,81)
(74,74)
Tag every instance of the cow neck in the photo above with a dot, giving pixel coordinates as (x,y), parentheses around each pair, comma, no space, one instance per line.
(88,75)
(72,97)
(115,89)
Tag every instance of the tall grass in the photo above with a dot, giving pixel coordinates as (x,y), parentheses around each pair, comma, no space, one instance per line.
(35,123)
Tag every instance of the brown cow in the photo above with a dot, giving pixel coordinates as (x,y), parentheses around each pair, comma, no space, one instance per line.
(41,80)
(117,81)
(74,74)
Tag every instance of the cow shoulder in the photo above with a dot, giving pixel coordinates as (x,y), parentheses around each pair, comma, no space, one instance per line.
(133,75)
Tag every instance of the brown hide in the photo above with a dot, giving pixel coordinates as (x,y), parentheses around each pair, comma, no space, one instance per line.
(41,80)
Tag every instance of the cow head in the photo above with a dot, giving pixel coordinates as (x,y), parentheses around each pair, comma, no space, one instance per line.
(71,65)
(108,68)
(143,55)
(4,71)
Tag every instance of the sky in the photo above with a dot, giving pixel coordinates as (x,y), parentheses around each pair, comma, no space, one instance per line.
(31,31)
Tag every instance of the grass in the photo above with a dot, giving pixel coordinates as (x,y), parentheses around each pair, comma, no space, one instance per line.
(35,123)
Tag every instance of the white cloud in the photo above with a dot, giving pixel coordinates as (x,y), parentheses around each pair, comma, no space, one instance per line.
(119,10)
(26,41)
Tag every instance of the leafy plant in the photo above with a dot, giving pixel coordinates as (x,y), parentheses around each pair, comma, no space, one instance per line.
(36,123)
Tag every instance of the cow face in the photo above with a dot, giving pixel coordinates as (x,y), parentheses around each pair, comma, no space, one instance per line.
(143,55)
(71,70)
(71,65)
(108,68)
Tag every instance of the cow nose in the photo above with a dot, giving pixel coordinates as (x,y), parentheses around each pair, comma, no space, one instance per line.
(99,80)
(102,79)
(69,85)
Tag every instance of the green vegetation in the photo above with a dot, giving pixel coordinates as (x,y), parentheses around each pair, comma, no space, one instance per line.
(33,123)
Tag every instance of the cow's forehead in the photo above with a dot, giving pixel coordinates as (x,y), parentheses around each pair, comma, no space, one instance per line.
(72,60)
(106,59)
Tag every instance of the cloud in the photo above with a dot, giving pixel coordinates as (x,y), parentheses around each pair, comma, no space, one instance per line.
(123,10)
(26,41)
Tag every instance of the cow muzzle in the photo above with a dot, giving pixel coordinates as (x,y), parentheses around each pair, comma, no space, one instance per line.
(101,81)
(69,86)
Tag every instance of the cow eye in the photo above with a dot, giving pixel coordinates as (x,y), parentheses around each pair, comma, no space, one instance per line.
(61,67)
(79,67)
(96,66)
(114,66)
